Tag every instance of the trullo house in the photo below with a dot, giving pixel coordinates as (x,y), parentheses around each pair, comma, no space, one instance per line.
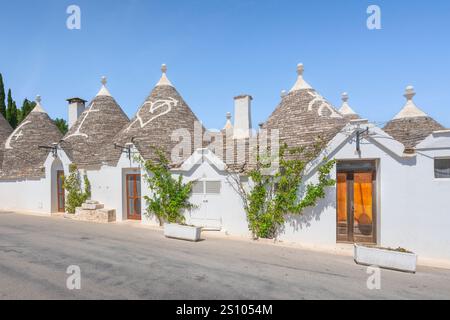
(392,189)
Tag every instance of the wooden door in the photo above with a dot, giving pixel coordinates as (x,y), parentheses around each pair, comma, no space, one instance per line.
(363,209)
(60,191)
(355,210)
(133,182)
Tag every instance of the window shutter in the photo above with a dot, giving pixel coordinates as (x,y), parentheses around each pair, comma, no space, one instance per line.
(442,168)
(197,187)
(213,187)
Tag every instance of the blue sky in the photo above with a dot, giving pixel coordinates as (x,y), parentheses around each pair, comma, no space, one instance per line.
(217,49)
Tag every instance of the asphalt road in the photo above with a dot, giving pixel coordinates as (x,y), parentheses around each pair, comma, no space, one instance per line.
(119,261)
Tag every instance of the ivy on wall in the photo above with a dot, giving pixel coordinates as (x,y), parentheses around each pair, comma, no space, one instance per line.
(169,196)
(273,196)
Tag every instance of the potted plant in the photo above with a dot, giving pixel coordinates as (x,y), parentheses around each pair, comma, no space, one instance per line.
(169,198)
(388,258)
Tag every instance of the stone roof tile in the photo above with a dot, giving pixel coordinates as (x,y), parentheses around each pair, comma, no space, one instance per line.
(162,114)
(23,159)
(89,141)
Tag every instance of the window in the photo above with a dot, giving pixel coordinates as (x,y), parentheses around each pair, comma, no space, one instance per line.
(442,168)
(213,187)
(206,187)
(197,187)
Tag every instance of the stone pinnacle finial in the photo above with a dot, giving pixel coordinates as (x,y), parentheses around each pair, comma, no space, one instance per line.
(409,93)
(345,96)
(104,80)
(164,81)
(38,107)
(228,115)
(300,84)
(300,69)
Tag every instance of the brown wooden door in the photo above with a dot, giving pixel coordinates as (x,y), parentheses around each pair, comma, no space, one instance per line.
(60,191)
(133,182)
(356,211)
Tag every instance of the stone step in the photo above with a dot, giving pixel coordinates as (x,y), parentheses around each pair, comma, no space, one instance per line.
(88,206)
(107,211)
(92,202)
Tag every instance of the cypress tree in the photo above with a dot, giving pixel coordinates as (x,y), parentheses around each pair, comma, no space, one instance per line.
(9,107)
(11,111)
(2,97)
(14,120)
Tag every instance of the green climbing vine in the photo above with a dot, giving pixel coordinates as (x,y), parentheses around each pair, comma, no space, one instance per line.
(75,195)
(169,195)
(274,196)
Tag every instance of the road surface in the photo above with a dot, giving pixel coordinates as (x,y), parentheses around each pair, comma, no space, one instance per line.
(122,261)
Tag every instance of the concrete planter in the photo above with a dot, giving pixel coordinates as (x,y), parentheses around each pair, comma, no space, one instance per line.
(177,231)
(384,258)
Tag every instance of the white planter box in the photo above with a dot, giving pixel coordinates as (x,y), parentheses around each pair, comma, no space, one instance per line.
(177,231)
(383,258)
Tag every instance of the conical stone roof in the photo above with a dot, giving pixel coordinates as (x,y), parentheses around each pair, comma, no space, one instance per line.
(411,125)
(89,142)
(5,131)
(23,159)
(304,118)
(163,114)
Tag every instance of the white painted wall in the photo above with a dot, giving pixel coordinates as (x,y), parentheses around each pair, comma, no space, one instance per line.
(228,205)
(26,196)
(37,196)
(413,207)
(108,184)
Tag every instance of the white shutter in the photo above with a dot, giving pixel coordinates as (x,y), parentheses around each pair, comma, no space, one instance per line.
(213,187)
(198,187)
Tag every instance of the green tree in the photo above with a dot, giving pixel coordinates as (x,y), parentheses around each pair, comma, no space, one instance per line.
(11,111)
(27,107)
(62,125)
(2,97)
(9,106)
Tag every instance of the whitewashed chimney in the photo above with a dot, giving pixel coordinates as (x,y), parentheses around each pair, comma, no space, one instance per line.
(76,108)
(242,117)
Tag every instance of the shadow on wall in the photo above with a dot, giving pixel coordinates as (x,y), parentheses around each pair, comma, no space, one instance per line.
(304,220)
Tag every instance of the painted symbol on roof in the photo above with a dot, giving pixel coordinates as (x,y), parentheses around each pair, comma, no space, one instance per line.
(78,132)
(17,134)
(323,105)
(156,109)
